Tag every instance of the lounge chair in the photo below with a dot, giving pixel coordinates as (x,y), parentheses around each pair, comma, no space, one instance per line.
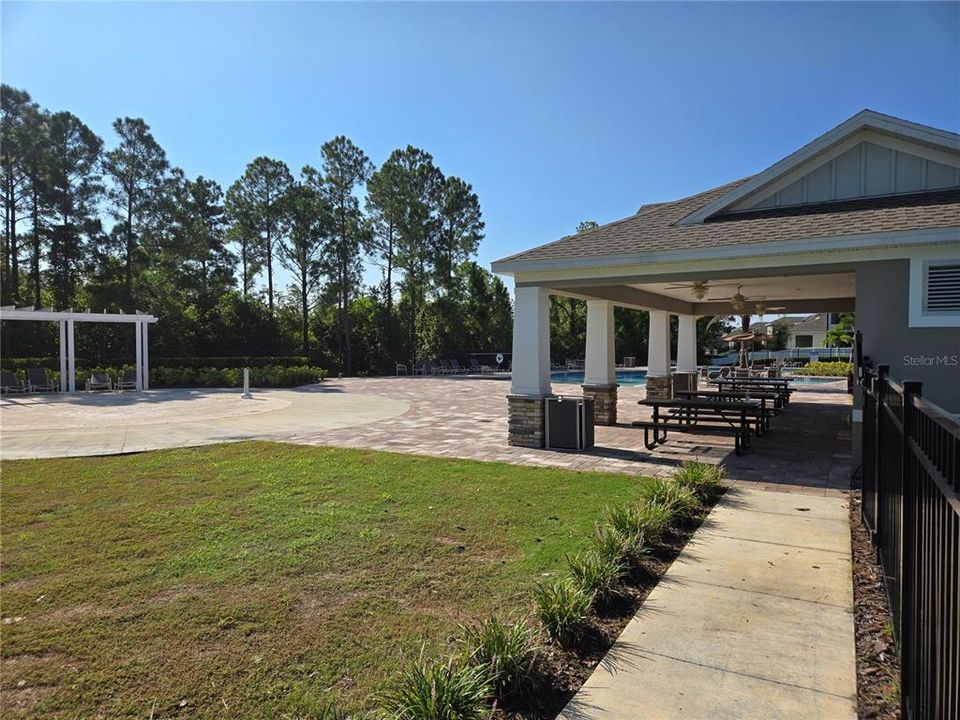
(10,383)
(37,380)
(401,368)
(127,380)
(477,367)
(456,368)
(99,381)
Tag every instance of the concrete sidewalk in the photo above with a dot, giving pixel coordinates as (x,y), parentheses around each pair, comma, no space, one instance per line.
(753,620)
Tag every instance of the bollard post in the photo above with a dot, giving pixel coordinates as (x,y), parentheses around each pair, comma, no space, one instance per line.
(246,385)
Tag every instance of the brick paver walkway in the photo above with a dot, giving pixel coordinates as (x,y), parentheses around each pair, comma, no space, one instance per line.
(807,449)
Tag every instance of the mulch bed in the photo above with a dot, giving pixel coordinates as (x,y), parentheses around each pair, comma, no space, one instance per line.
(562,670)
(878,666)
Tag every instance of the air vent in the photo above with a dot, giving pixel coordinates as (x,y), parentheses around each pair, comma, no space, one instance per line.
(943,288)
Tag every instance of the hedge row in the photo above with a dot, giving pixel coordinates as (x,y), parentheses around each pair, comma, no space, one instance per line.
(502,663)
(825,369)
(53,362)
(162,376)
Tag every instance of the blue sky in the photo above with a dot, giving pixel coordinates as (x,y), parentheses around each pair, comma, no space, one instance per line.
(555,113)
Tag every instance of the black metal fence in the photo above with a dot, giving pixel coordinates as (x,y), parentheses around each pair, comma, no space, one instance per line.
(911,504)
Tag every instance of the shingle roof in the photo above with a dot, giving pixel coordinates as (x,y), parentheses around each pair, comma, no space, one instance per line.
(654,228)
(814,323)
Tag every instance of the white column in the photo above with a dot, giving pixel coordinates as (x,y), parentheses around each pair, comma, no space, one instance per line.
(531,342)
(146,358)
(687,344)
(71,360)
(64,383)
(658,358)
(600,366)
(139,344)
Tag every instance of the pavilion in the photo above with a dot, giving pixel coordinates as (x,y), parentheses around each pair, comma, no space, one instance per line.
(864,219)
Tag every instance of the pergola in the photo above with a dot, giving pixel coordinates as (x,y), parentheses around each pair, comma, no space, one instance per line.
(67,319)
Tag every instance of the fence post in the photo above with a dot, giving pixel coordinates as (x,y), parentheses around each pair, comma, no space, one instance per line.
(908,566)
(881,392)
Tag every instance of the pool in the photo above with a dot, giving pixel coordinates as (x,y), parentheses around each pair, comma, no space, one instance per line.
(624,377)
(639,377)
(805,380)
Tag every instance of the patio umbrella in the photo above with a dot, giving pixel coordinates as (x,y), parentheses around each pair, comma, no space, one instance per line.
(745,338)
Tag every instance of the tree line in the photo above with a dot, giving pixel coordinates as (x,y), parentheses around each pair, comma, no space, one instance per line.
(115,226)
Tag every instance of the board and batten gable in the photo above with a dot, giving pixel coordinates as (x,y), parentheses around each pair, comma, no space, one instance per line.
(868,169)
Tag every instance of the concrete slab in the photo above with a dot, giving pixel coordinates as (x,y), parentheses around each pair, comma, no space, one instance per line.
(59,425)
(753,620)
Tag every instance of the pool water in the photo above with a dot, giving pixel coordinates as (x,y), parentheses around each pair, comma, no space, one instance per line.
(639,377)
(624,377)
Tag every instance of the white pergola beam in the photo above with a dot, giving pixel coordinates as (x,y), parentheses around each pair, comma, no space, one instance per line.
(63,356)
(139,343)
(71,359)
(54,315)
(146,357)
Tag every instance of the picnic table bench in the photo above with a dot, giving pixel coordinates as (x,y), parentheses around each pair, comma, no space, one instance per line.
(699,415)
(768,401)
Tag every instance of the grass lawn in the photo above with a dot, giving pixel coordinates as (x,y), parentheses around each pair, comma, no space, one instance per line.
(247,580)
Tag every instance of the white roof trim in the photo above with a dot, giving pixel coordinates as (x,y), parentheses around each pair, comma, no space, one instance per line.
(862,120)
(10,312)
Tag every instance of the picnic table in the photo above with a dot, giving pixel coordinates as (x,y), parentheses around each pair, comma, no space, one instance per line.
(780,386)
(768,401)
(699,415)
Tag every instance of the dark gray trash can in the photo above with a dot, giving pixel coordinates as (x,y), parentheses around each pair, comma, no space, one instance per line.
(569,423)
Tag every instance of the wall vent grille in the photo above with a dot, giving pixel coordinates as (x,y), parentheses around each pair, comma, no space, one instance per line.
(943,288)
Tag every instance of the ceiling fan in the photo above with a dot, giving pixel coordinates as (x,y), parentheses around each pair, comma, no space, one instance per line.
(739,302)
(698,288)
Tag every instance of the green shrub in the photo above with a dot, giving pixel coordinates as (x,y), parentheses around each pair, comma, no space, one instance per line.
(703,479)
(624,518)
(506,650)
(825,369)
(439,690)
(563,608)
(653,519)
(677,499)
(597,575)
(610,544)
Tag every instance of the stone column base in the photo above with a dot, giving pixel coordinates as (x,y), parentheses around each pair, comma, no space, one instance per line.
(659,388)
(604,403)
(525,421)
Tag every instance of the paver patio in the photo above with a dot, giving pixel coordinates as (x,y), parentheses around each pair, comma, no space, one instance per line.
(807,449)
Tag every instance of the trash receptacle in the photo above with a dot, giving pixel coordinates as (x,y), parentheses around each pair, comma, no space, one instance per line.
(684,381)
(569,423)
